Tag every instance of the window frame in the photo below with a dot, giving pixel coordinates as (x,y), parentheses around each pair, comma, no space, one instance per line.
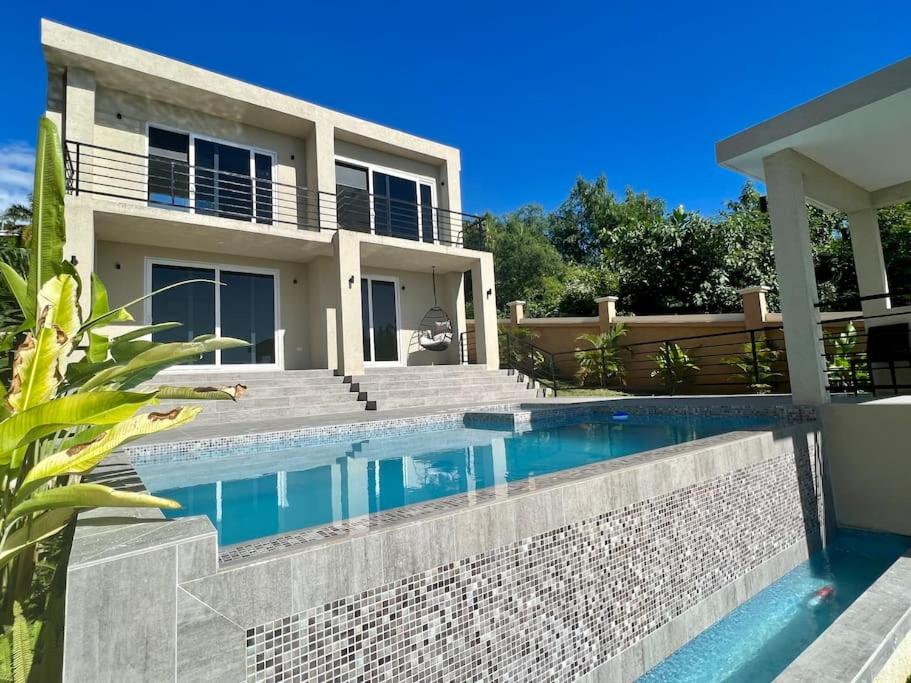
(250,149)
(404,175)
(150,261)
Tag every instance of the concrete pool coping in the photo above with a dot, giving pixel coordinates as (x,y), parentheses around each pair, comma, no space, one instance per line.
(120,549)
(861,642)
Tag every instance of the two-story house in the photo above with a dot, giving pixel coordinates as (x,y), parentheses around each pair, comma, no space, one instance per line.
(332,237)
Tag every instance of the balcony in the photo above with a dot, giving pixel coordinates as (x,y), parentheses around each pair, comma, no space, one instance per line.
(162,182)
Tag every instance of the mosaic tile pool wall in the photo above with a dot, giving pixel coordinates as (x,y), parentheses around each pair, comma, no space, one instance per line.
(556,605)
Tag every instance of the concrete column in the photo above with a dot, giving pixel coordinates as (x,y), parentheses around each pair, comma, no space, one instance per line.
(79,112)
(485,312)
(349,324)
(454,293)
(516,312)
(755,306)
(79,125)
(868,260)
(607,311)
(796,279)
(321,174)
(449,199)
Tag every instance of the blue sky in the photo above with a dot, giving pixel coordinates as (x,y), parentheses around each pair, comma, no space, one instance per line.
(534,95)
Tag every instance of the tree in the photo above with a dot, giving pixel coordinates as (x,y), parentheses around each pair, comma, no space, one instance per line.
(527,266)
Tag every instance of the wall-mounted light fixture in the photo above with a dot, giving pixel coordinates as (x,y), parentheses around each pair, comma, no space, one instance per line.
(350,282)
(74,260)
(292,157)
(489,292)
(294,281)
(117,266)
(119,116)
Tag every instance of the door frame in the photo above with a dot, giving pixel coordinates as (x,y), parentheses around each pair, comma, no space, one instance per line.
(398,315)
(279,364)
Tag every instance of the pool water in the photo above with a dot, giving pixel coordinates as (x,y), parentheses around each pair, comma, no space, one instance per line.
(759,639)
(266,492)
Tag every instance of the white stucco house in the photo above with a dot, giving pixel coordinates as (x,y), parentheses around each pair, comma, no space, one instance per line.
(324,229)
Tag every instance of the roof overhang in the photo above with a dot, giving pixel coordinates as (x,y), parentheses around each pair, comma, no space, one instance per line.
(859,132)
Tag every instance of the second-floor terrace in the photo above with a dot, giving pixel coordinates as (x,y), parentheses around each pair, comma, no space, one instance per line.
(197,175)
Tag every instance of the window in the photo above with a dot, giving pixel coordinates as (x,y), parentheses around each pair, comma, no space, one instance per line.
(401,207)
(169,168)
(352,197)
(243,307)
(223,180)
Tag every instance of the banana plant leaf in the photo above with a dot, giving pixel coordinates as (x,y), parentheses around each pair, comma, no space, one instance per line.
(48,230)
(36,369)
(202,393)
(43,526)
(94,408)
(146,364)
(87,496)
(85,457)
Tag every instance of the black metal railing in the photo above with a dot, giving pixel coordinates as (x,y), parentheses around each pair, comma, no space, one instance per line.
(741,361)
(869,353)
(177,185)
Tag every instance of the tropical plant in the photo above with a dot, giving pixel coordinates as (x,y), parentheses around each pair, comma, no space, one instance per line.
(674,367)
(601,363)
(74,394)
(847,367)
(754,366)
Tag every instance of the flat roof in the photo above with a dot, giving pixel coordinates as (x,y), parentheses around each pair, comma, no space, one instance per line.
(130,69)
(859,131)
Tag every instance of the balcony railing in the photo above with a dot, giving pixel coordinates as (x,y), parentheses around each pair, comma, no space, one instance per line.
(177,185)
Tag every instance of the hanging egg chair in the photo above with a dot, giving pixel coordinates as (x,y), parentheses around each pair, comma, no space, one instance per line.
(435,330)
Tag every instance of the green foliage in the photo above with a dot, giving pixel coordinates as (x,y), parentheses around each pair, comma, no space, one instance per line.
(517,349)
(844,355)
(674,367)
(601,363)
(666,261)
(17,647)
(758,372)
(69,406)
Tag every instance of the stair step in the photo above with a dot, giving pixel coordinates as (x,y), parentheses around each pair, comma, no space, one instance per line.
(409,369)
(469,393)
(419,381)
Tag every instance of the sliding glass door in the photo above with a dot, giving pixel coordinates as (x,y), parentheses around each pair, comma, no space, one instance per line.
(242,307)
(380,320)
(217,179)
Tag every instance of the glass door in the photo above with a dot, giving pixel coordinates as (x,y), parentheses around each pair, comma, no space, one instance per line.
(380,318)
(243,307)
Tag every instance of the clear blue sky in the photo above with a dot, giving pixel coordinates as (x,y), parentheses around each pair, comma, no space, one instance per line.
(533,96)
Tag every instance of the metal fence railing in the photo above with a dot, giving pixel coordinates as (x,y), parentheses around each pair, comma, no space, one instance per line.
(256,197)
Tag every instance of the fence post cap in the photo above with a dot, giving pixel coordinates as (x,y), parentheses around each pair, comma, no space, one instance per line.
(607,299)
(516,303)
(755,289)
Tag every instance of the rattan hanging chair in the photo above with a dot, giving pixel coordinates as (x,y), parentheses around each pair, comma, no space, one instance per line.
(435,330)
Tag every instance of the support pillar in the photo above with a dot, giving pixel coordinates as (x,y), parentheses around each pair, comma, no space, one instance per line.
(348,317)
(796,279)
(607,312)
(321,207)
(516,312)
(868,260)
(755,306)
(485,312)
(79,125)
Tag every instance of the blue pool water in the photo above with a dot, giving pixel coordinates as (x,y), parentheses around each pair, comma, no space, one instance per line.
(267,492)
(759,639)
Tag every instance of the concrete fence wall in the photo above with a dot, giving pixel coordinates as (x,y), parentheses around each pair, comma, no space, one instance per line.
(709,339)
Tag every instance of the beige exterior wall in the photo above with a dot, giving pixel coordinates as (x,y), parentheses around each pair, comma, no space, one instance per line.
(128,282)
(866,449)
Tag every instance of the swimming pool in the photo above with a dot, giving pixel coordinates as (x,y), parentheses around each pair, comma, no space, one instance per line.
(263,492)
(759,639)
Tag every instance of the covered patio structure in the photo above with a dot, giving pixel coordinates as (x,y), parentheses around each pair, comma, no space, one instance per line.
(850,151)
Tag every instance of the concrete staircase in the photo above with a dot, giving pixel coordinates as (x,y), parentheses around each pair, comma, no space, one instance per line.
(439,386)
(270,394)
(310,393)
